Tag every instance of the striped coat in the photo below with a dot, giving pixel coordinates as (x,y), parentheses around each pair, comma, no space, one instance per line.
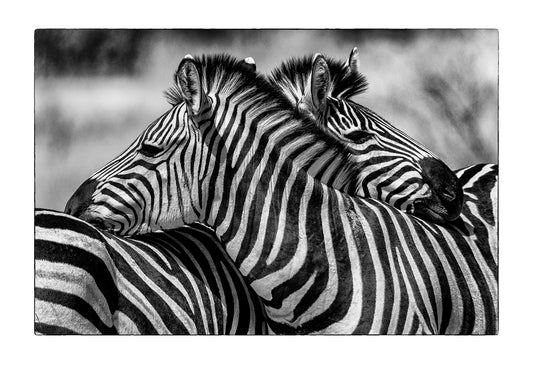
(320,260)
(177,282)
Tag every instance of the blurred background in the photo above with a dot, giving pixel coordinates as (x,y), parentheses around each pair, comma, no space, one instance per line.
(96,90)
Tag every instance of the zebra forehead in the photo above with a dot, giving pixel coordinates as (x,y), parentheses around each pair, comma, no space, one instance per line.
(345,83)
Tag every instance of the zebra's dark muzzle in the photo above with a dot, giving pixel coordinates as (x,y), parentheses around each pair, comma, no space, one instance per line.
(446,201)
(81,199)
(79,205)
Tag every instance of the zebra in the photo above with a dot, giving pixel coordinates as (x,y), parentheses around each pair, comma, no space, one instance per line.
(374,142)
(352,124)
(55,313)
(176,282)
(417,182)
(248,61)
(348,121)
(225,155)
(52,304)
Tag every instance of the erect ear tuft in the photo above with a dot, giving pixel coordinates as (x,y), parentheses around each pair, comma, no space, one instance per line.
(190,84)
(250,63)
(320,82)
(353,60)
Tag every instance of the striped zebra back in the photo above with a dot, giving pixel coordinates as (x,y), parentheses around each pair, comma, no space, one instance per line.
(177,282)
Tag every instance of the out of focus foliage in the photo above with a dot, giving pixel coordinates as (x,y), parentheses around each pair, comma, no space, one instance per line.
(111,51)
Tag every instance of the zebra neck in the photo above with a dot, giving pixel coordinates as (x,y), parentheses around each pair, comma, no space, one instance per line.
(252,138)
(272,216)
(256,153)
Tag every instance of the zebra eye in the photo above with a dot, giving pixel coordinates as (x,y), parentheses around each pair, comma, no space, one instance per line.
(150,150)
(358,136)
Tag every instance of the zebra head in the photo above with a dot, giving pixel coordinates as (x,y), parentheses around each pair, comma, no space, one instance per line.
(155,183)
(176,170)
(392,167)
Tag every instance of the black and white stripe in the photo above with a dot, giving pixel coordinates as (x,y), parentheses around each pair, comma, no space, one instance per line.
(176,282)
(391,166)
(322,261)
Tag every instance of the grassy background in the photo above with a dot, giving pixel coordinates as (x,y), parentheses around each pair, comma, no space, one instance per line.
(95,90)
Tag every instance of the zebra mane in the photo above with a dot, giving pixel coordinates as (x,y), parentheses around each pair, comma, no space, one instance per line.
(219,70)
(222,71)
(292,76)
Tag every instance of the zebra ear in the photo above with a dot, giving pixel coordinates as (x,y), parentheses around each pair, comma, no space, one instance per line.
(320,83)
(250,63)
(353,60)
(189,82)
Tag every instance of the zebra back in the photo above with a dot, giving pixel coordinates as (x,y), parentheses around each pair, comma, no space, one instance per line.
(177,282)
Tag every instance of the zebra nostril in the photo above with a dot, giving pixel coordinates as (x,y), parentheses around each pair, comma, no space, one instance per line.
(448,195)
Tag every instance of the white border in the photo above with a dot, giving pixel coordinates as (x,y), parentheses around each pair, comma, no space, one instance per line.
(505,354)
